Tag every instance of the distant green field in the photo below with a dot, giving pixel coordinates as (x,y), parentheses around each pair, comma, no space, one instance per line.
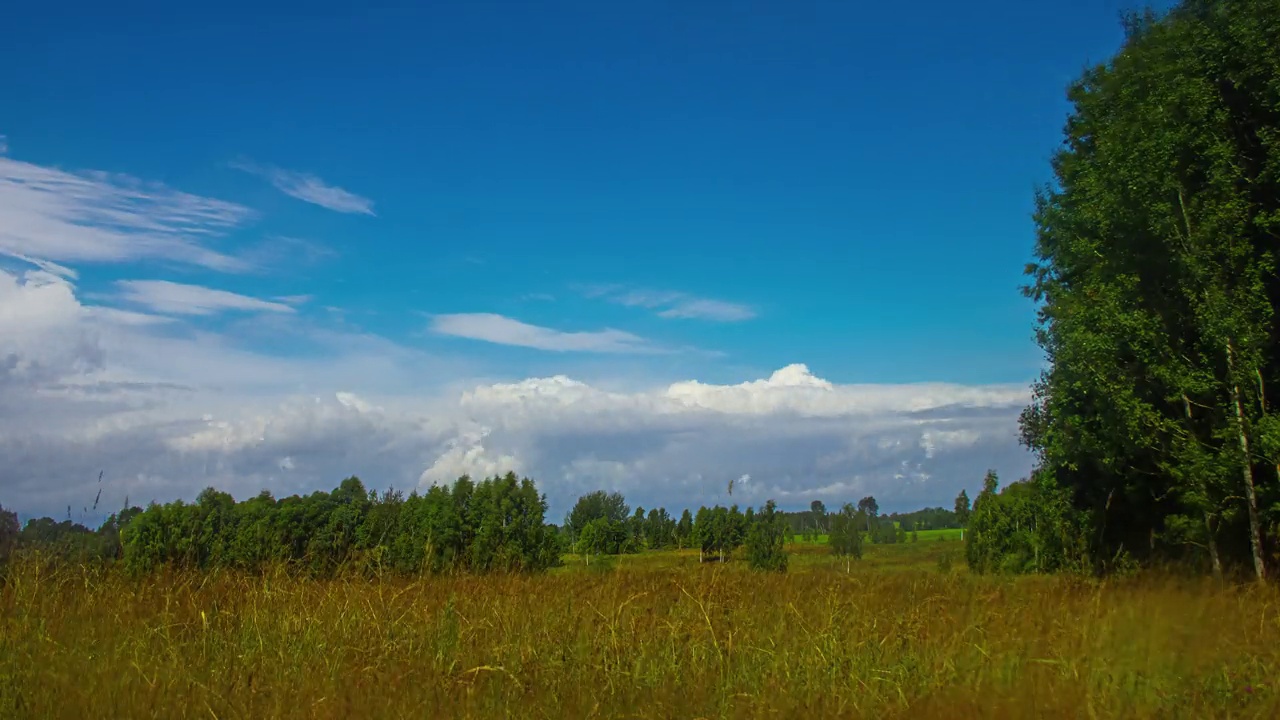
(933,535)
(923,555)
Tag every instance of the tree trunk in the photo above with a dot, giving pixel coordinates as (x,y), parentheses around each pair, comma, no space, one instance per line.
(1213,547)
(1246,472)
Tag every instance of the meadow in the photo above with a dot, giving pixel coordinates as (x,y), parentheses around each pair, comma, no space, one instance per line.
(905,632)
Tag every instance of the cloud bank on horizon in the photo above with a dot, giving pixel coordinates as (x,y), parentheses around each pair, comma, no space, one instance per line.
(171,386)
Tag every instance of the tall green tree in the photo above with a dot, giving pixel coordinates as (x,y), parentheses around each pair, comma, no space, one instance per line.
(847,527)
(9,530)
(870,508)
(1156,286)
(819,512)
(684,529)
(765,540)
(594,505)
(962,508)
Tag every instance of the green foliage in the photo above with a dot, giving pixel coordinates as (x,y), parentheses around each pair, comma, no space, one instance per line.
(869,507)
(884,531)
(68,541)
(660,530)
(765,540)
(1029,527)
(962,508)
(1156,284)
(9,531)
(603,536)
(494,525)
(818,516)
(718,531)
(684,530)
(810,525)
(847,527)
(609,531)
(593,506)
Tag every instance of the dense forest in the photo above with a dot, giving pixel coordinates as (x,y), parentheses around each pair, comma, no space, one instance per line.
(1155,426)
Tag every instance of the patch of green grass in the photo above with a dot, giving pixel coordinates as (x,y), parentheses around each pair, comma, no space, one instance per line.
(935,535)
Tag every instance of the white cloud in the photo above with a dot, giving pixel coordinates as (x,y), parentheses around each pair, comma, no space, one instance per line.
(308,188)
(673,305)
(702,309)
(503,330)
(795,390)
(85,388)
(178,299)
(277,252)
(91,216)
(4,145)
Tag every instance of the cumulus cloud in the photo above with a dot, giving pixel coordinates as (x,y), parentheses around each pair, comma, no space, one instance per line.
(674,305)
(796,436)
(173,298)
(503,330)
(91,216)
(308,188)
(85,388)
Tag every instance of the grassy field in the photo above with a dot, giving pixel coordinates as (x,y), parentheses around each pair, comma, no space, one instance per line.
(899,635)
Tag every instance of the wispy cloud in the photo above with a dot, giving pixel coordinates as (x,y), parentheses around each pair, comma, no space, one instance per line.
(707,309)
(92,216)
(278,254)
(308,188)
(48,266)
(672,304)
(503,330)
(4,144)
(179,299)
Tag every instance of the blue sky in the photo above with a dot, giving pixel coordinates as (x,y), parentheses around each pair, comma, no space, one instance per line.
(643,192)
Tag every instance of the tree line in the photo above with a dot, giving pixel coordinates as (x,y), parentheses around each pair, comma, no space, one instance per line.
(601,523)
(810,525)
(497,524)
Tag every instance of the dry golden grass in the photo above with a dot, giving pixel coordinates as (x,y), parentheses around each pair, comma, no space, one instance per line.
(658,636)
